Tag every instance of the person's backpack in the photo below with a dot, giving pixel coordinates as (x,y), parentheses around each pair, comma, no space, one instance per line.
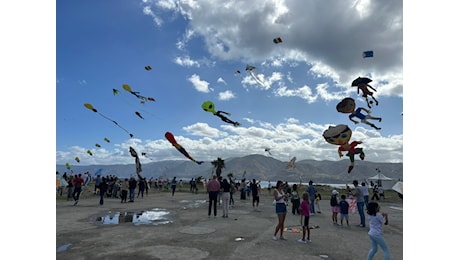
(334,201)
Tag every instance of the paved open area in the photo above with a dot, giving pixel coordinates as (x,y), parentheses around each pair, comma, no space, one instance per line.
(181,229)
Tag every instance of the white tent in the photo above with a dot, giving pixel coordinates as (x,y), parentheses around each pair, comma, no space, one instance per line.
(380,179)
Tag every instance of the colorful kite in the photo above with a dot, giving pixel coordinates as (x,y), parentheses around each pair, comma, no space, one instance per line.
(368,54)
(253,72)
(77,159)
(90,107)
(291,163)
(208,106)
(106,139)
(348,105)
(170,137)
(277,40)
(89,152)
(115,91)
(148,68)
(340,135)
(98,145)
(67,165)
(137,161)
(141,98)
(363,85)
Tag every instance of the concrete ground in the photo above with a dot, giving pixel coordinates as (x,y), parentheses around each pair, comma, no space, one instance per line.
(191,234)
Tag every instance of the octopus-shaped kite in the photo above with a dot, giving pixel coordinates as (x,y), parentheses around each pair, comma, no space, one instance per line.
(90,107)
(141,98)
(170,137)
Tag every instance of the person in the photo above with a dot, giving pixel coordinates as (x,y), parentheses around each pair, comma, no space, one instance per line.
(269,188)
(359,203)
(357,113)
(375,192)
(305,218)
(103,187)
(173,185)
(213,188)
(343,204)
(295,200)
(376,222)
(381,192)
(132,188)
(317,199)
(253,186)
(97,184)
(70,187)
(225,188)
(311,191)
(280,209)
(141,186)
(77,184)
(124,190)
(334,207)
(365,189)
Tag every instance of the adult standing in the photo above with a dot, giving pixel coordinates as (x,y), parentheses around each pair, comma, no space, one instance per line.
(359,195)
(311,190)
(213,188)
(173,185)
(365,192)
(280,209)
(132,188)
(295,199)
(103,187)
(124,190)
(225,189)
(97,184)
(141,187)
(255,194)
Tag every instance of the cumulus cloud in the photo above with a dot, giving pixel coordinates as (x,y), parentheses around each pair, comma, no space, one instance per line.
(200,85)
(226,95)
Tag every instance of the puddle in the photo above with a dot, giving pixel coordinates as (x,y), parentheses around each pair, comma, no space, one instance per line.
(154,216)
(192,203)
(63,248)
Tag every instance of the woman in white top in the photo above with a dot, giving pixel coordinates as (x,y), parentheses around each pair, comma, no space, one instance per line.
(281,209)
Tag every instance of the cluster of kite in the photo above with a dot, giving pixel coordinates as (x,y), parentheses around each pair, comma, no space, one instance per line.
(341,134)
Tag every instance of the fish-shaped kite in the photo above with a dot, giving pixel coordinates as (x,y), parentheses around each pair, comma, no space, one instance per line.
(170,137)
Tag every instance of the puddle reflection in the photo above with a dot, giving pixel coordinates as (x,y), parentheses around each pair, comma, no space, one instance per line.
(154,216)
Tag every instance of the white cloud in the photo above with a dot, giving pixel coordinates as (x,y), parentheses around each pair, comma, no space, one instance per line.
(186,62)
(221,80)
(226,95)
(200,85)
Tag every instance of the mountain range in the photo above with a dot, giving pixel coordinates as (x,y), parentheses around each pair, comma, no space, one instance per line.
(253,166)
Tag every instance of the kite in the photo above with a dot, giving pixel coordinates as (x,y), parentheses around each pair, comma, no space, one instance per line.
(139,115)
(138,162)
(291,163)
(98,145)
(115,91)
(268,150)
(170,137)
(148,68)
(237,72)
(67,165)
(89,152)
(368,54)
(90,107)
(362,84)
(340,135)
(141,98)
(144,154)
(77,159)
(208,106)
(253,72)
(277,40)
(106,139)
(348,105)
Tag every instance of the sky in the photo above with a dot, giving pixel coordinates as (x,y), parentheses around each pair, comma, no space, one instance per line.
(56,56)
(195,49)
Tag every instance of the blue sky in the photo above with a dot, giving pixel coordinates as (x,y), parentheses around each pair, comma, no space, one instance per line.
(194,49)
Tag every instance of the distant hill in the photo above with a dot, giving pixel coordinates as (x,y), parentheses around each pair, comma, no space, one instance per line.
(254,166)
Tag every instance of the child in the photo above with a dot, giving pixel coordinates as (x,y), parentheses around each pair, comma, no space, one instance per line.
(317,199)
(343,209)
(305,218)
(334,207)
(376,222)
